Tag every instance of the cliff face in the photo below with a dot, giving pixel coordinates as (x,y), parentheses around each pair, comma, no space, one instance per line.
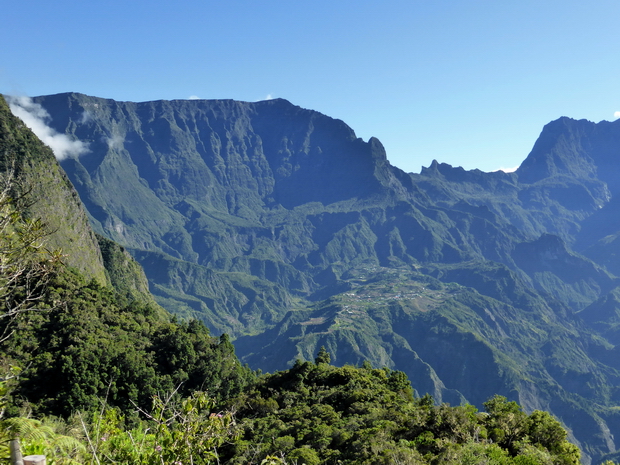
(579,149)
(232,157)
(279,226)
(50,195)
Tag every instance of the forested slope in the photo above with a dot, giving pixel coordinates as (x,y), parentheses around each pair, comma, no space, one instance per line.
(278,225)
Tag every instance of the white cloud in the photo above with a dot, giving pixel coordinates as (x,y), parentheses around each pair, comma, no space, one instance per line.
(266,97)
(35,116)
(617,114)
(115,142)
(86,117)
(194,97)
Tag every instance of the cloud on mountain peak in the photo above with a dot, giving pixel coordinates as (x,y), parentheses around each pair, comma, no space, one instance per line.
(36,117)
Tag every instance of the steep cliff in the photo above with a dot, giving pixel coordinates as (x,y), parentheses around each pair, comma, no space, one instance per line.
(50,195)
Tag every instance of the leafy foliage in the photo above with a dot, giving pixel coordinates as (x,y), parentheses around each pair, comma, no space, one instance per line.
(99,346)
(173,432)
(35,436)
(312,413)
(318,413)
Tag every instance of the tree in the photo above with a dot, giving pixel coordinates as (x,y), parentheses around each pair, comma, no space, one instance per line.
(322,357)
(506,422)
(545,430)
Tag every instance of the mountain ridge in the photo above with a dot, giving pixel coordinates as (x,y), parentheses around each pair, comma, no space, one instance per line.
(279,225)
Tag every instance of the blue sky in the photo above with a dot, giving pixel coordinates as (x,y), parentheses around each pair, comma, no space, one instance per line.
(469,83)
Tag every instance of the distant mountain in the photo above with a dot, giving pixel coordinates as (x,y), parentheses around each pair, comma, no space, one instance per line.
(279,226)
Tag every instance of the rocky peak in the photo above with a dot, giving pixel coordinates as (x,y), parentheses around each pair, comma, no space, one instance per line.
(577,148)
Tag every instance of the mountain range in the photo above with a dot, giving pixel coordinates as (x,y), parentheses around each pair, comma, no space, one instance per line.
(280,227)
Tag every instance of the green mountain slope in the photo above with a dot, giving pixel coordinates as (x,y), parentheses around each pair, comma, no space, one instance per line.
(272,223)
(50,195)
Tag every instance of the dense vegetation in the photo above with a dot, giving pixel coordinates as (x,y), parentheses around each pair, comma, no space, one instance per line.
(77,350)
(98,346)
(317,413)
(135,381)
(313,413)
